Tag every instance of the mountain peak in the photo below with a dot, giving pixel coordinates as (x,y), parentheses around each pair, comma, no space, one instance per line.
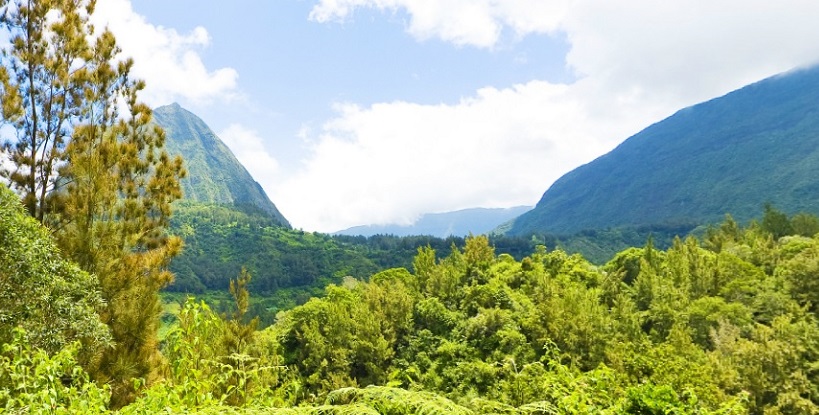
(214,173)
(172,107)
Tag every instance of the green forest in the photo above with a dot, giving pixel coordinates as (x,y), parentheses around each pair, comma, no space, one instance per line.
(291,266)
(288,266)
(721,325)
(93,228)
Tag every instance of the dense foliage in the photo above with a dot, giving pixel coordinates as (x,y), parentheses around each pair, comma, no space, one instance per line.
(721,325)
(651,329)
(221,239)
(288,266)
(89,164)
(51,298)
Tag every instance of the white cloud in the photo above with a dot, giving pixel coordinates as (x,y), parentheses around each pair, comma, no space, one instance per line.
(687,51)
(5,165)
(392,162)
(636,60)
(463,22)
(249,148)
(168,61)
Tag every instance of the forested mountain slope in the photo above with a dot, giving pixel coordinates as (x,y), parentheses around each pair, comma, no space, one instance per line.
(215,176)
(220,240)
(729,155)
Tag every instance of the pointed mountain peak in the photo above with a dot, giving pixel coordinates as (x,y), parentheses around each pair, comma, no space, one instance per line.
(214,173)
(170,108)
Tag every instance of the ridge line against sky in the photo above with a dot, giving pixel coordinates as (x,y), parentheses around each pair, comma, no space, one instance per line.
(357,112)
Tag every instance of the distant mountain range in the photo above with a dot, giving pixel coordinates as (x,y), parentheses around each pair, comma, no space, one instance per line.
(459,223)
(729,155)
(214,174)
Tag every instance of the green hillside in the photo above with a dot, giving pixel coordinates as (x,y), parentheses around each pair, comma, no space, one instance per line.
(729,155)
(215,176)
(220,241)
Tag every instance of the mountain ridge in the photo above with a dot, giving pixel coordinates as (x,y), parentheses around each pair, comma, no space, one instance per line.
(456,223)
(731,154)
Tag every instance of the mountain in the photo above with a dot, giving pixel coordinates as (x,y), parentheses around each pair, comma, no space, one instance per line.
(731,154)
(459,223)
(214,174)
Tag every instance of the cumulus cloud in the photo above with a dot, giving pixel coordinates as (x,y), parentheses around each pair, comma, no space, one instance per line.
(167,60)
(687,51)
(463,22)
(636,62)
(391,162)
(5,165)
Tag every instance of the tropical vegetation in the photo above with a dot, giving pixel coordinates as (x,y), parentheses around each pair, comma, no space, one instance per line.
(724,322)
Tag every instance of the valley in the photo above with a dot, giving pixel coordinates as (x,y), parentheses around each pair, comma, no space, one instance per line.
(144,269)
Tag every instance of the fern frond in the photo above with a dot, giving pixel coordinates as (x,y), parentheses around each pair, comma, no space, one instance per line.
(394,401)
(539,408)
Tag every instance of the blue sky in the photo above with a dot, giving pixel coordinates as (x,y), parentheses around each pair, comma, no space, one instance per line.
(352,112)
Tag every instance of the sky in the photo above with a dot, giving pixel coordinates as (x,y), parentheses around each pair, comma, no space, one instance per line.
(355,112)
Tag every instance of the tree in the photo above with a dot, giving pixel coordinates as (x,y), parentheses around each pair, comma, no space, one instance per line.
(239,333)
(114,211)
(45,75)
(805,224)
(479,256)
(776,222)
(88,162)
(50,298)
